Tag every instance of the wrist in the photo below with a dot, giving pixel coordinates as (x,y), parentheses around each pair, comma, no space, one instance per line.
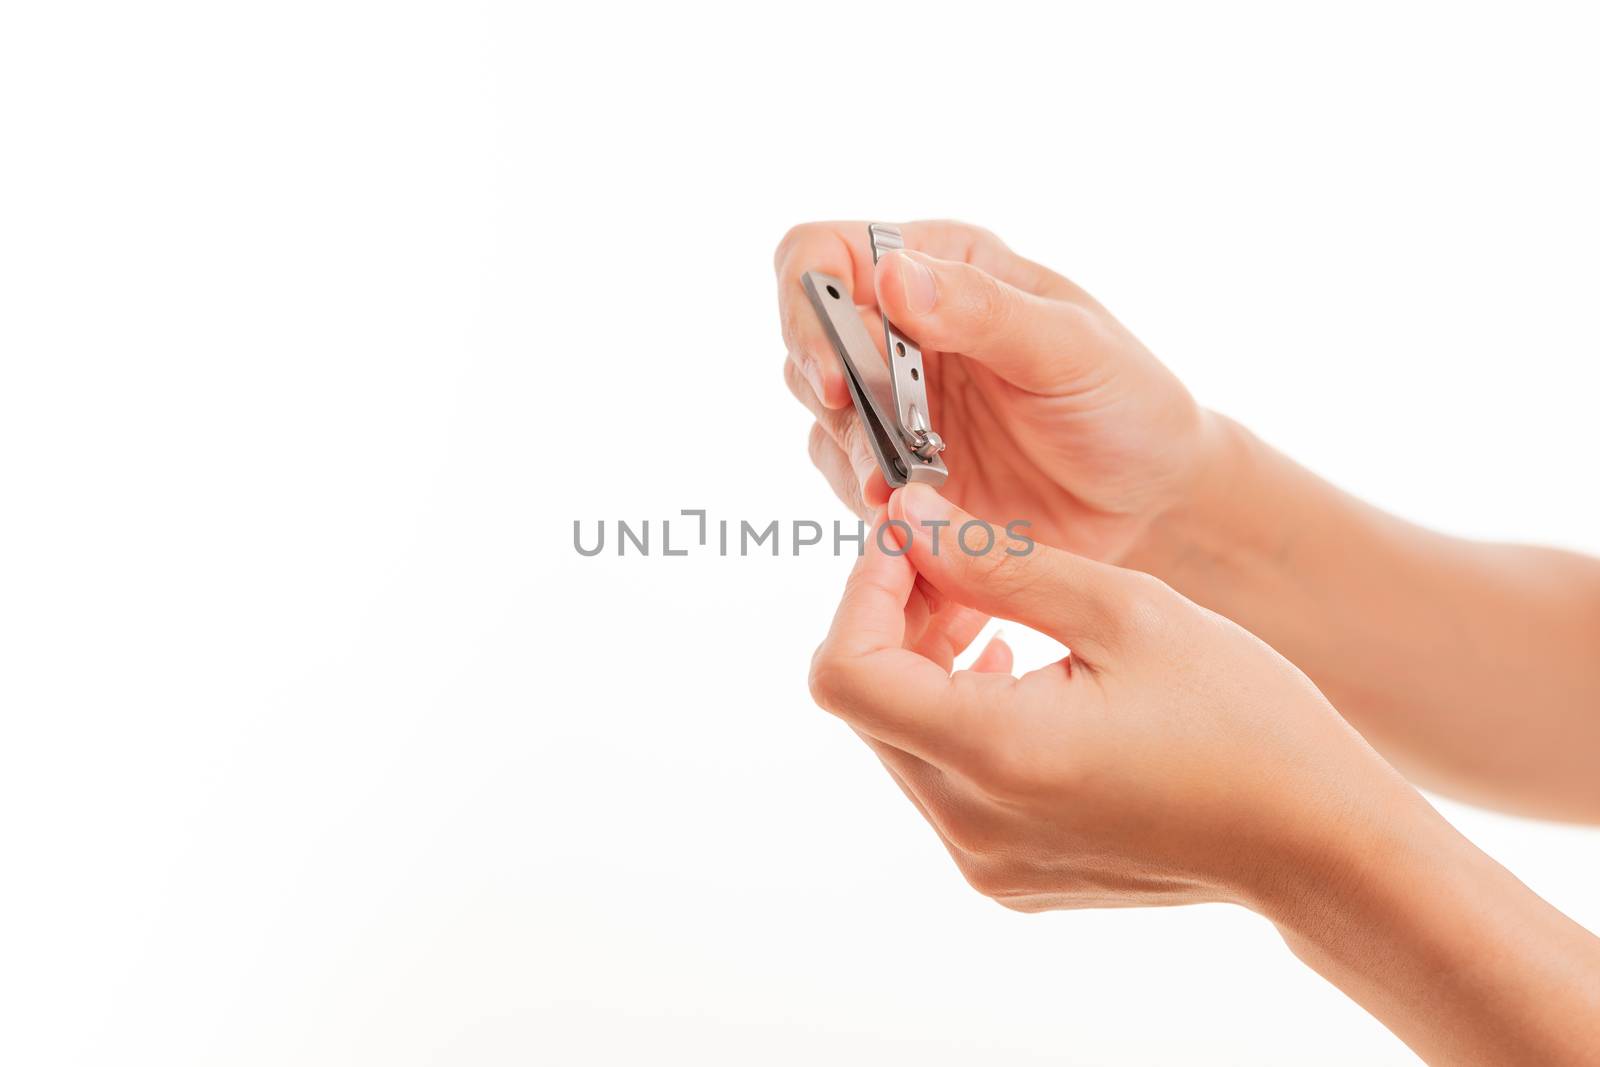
(1372,844)
(1247,526)
(1208,520)
(1444,946)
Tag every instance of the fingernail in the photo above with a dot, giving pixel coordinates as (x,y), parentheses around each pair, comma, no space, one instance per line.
(812,375)
(919,500)
(922,292)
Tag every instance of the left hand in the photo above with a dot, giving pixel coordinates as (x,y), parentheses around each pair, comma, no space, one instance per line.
(1052,410)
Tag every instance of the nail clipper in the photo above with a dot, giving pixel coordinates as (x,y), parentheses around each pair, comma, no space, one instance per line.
(891,400)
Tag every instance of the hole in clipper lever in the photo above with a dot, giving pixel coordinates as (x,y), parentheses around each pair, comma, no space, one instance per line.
(914,374)
(895,427)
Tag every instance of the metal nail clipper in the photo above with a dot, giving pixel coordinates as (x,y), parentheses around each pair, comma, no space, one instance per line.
(892,400)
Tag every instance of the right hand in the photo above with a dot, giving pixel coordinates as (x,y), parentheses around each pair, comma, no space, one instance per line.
(1170,758)
(1053,412)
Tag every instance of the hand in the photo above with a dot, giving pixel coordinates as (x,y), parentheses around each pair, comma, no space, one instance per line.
(1052,411)
(1173,758)
(1470,665)
(1170,758)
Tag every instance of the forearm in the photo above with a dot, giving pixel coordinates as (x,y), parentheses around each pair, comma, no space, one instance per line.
(1454,955)
(1474,667)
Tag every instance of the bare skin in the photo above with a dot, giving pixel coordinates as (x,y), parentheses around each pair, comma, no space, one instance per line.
(1472,666)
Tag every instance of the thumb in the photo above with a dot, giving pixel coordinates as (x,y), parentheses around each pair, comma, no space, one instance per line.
(948,306)
(1081,603)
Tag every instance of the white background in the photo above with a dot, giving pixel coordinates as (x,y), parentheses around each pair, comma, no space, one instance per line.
(322,322)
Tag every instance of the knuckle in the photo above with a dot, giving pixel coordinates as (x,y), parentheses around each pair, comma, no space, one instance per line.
(989,305)
(792,376)
(781,252)
(1149,607)
(1027,905)
(1009,772)
(959,820)
(983,237)
(964,830)
(827,685)
(986,876)
(793,237)
(834,681)
(845,477)
(970,234)
(816,444)
(857,451)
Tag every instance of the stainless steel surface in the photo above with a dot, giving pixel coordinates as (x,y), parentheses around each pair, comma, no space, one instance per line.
(870,384)
(905,363)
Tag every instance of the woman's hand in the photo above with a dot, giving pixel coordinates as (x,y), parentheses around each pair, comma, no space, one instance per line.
(1170,758)
(1052,411)
(1470,665)
(1173,758)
